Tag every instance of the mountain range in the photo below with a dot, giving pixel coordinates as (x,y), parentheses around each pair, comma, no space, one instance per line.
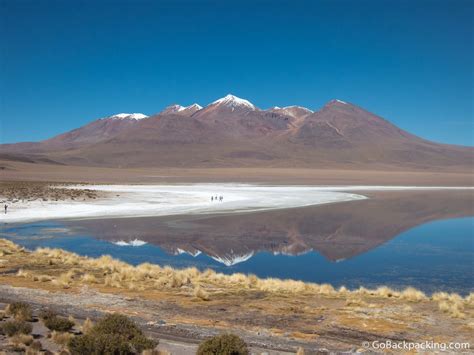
(232,132)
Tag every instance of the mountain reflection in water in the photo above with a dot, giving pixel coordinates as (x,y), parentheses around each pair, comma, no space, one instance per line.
(338,231)
(384,240)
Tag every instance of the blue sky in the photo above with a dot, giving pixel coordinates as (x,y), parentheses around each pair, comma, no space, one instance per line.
(65,63)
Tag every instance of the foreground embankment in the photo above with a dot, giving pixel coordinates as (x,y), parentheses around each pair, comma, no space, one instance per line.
(192,304)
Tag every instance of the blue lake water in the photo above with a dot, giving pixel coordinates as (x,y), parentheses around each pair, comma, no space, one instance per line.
(437,255)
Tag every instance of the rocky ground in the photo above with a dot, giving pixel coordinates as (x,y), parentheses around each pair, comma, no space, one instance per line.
(18,191)
(186,306)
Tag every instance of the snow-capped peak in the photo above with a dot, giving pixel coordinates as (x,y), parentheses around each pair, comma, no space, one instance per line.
(178,109)
(194,106)
(340,101)
(234,102)
(175,108)
(129,116)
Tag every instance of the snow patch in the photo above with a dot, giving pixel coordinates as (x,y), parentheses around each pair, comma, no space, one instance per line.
(174,108)
(197,106)
(129,116)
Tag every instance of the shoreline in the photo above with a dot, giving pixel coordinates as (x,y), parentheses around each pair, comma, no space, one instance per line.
(128,201)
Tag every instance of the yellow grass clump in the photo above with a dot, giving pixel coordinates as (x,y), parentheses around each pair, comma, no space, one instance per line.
(440,296)
(87,326)
(413,295)
(386,292)
(34,349)
(20,340)
(23,273)
(89,278)
(9,247)
(42,278)
(326,289)
(342,291)
(470,299)
(61,338)
(452,308)
(363,291)
(64,280)
(200,293)
(355,302)
(285,286)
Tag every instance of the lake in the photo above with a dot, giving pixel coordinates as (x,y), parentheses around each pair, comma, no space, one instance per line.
(413,238)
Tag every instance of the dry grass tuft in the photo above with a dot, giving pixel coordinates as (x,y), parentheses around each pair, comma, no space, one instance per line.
(23,273)
(89,278)
(356,302)
(342,291)
(61,338)
(363,291)
(413,295)
(200,293)
(65,279)
(470,299)
(20,311)
(453,307)
(326,289)
(87,326)
(20,340)
(42,278)
(35,348)
(440,296)
(386,292)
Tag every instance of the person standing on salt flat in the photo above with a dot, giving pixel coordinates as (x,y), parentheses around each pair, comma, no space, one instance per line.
(212,198)
(6,207)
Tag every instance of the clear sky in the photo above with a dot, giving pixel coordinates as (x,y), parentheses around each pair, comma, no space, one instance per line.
(66,63)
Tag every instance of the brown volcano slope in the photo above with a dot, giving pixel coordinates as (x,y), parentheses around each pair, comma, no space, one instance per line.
(232,132)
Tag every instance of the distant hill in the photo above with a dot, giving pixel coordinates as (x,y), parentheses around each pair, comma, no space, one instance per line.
(232,132)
